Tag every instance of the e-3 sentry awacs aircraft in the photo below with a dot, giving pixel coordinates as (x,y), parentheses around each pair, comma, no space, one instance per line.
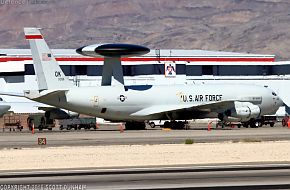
(136,104)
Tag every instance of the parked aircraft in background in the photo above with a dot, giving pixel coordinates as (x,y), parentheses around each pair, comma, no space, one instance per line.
(135,104)
(4,107)
(34,107)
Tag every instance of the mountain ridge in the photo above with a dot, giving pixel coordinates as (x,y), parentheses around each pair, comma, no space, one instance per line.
(255,26)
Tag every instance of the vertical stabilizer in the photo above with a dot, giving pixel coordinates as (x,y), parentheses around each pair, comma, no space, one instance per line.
(48,72)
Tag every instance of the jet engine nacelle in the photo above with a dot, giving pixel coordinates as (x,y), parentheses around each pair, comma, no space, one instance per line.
(242,112)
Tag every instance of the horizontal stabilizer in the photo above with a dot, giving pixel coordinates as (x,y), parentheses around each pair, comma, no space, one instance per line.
(46,94)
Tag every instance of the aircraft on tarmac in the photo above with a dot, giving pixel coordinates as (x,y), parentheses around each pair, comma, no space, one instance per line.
(35,107)
(136,104)
(4,107)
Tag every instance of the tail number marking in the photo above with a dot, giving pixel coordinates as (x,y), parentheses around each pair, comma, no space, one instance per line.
(57,74)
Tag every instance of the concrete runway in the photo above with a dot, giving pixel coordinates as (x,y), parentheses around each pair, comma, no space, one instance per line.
(239,176)
(110,135)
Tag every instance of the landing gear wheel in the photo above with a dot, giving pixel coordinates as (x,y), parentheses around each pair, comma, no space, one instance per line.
(180,125)
(135,126)
(152,124)
(174,125)
(40,127)
(258,124)
(255,124)
(167,124)
(246,125)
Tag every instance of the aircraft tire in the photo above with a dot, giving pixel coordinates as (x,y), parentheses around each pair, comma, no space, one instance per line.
(246,125)
(135,126)
(180,125)
(152,124)
(173,125)
(167,124)
(255,124)
(258,124)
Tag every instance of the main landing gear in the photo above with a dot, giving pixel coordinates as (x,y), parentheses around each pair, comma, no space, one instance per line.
(175,124)
(134,125)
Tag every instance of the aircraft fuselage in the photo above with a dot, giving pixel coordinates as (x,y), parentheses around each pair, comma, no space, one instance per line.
(117,103)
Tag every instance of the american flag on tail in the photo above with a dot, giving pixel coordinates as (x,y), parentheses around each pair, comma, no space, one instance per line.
(46,56)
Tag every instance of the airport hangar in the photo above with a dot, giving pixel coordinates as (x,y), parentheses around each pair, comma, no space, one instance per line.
(189,66)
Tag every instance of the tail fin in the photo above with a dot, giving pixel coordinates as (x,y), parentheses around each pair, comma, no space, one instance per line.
(48,72)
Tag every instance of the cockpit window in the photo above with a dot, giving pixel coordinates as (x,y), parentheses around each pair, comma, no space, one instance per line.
(274,94)
(1,100)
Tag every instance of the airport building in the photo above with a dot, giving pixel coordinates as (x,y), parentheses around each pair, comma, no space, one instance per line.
(164,67)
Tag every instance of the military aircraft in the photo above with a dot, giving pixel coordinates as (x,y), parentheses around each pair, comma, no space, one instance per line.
(4,107)
(136,104)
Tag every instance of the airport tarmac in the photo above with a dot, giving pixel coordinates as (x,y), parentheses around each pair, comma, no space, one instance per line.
(110,135)
(148,159)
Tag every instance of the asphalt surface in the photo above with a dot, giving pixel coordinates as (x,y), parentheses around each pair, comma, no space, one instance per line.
(242,176)
(239,176)
(110,135)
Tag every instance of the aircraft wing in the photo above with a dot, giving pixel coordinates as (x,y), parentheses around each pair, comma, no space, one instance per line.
(209,107)
(159,109)
(216,106)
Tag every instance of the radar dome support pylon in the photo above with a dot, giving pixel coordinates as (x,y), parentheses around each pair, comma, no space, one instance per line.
(112,54)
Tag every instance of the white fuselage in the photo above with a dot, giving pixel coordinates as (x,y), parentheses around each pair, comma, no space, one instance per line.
(116,103)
